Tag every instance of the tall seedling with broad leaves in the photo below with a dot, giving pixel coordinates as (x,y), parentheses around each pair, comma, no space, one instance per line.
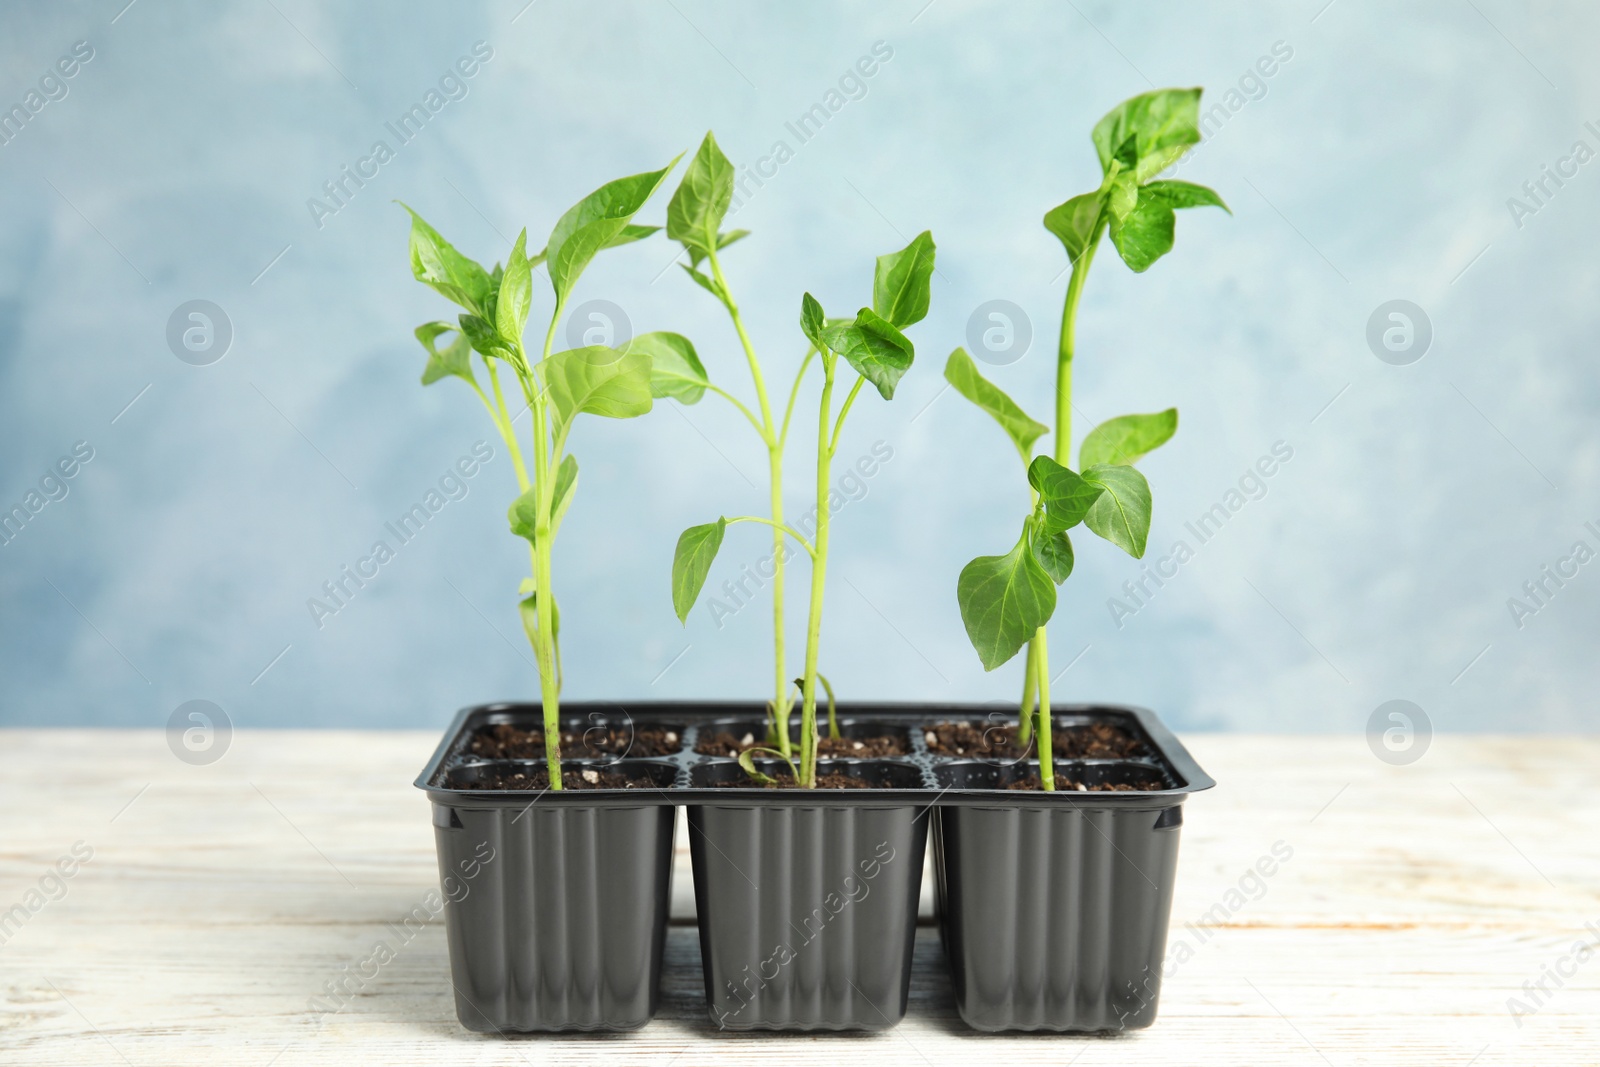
(871,343)
(557,387)
(694,220)
(1007,600)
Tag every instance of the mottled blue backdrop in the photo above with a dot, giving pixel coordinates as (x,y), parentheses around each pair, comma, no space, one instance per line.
(160,153)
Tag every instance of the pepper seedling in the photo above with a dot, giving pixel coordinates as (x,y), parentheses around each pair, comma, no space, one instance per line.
(557,387)
(874,345)
(694,220)
(1006,601)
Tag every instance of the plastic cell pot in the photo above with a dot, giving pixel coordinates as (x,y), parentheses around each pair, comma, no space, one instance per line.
(1053,908)
(555,912)
(807,900)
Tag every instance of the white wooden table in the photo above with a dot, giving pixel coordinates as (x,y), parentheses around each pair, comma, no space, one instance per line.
(220,899)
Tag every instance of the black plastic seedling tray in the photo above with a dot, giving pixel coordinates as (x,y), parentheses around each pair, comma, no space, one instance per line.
(1053,905)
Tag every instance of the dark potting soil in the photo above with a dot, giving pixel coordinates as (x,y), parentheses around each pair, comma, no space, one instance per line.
(1096,740)
(539,779)
(830,780)
(723,743)
(726,744)
(861,747)
(970,739)
(505,741)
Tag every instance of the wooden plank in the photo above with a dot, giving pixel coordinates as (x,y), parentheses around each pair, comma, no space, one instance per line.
(218,901)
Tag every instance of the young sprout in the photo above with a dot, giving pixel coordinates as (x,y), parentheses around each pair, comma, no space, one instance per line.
(1007,600)
(873,345)
(557,387)
(694,219)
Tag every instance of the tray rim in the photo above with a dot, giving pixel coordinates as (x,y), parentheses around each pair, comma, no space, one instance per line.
(1171,751)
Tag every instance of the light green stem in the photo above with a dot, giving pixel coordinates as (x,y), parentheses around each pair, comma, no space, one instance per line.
(1030,683)
(507,431)
(1047,763)
(838,426)
(1065,350)
(544,647)
(1039,647)
(781,705)
(819,566)
(790,530)
(502,421)
(794,391)
(833,718)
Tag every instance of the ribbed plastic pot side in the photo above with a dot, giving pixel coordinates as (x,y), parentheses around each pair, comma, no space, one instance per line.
(1056,919)
(808,910)
(563,924)
(1054,915)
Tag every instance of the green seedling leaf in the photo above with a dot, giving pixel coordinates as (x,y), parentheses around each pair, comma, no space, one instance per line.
(878,351)
(630,233)
(1176,194)
(1146,233)
(676,372)
(515,294)
(1122,513)
(1144,236)
(1054,553)
(1004,600)
(1066,497)
(827,687)
(454,359)
(436,263)
(701,200)
(812,321)
(900,283)
(1074,222)
(706,282)
(481,334)
(596,222)
(1127,438)
(523,515)
(1122,196)
(566,484)
(1149,132)
(697,257)
(529,610)
(747,762)
(961,372)
(597,380)
(691,562)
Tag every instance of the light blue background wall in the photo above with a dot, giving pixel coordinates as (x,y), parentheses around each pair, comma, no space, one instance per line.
(1375,164)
